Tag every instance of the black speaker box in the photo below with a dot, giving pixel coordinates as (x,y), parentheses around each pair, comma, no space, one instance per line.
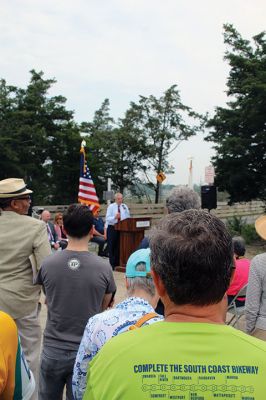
(208,197)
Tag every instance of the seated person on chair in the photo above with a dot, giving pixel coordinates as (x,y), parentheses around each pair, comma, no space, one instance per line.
(240,278)
(59,229)
(99,234)
(52,235)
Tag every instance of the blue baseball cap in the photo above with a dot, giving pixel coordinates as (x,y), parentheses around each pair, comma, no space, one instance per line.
(139,256)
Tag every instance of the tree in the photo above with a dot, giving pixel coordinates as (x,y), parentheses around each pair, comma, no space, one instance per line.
(126,156)
(160,125)
(65,162)
(9,160)
(38,137)
(114,151)
(97,136)
(239,130)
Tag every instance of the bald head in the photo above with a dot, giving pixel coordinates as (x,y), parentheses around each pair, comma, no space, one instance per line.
(45,216)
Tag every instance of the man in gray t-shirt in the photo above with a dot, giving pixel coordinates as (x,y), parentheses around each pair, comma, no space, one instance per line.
(77,285)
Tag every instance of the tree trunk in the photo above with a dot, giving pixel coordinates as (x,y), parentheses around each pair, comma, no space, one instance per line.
(157,189)
(157,192)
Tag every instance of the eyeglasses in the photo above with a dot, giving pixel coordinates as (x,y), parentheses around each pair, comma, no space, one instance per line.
(23,198)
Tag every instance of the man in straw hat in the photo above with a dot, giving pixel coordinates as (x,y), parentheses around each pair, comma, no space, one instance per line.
(21,237)
(256,291)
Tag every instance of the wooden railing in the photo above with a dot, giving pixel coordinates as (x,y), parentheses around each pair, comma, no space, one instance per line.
(250,211)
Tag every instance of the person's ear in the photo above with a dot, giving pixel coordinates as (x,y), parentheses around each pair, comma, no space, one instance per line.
(14,204)
(158,283)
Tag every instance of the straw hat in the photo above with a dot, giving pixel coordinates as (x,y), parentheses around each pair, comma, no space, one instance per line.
(260,226)
(13,187)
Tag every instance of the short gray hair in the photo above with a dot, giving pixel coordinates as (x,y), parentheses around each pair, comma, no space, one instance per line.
(117,194)
(182,198)
(192,253)
(144,283)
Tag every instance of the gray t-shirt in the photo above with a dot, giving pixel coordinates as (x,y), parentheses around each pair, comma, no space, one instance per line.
(75,283)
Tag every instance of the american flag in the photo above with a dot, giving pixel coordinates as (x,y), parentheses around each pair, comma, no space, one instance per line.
(87,193)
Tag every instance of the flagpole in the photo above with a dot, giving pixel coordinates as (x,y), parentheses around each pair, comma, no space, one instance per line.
(87,192)
(190,176)
(82,151)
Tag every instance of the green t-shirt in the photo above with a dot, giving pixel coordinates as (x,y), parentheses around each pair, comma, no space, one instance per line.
(180,361)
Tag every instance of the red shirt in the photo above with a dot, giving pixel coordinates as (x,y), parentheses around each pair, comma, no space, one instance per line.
(240,277)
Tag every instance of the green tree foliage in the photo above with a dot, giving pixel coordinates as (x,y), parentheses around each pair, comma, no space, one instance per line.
(126,155)
(9,160)
(98,139)
(238,226)
(160,124)
(113,150)
(39,140)
(239,130)
(64,167)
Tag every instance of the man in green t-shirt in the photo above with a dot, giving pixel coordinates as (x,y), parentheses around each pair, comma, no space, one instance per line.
(192,354)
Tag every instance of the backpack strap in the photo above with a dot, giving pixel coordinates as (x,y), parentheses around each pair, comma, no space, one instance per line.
(142,321)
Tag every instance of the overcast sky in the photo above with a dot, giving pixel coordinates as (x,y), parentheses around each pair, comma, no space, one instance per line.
(120,49)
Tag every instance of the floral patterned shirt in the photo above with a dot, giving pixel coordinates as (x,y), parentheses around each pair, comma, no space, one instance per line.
(103,327)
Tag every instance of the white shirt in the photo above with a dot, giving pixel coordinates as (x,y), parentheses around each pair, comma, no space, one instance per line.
(112,210)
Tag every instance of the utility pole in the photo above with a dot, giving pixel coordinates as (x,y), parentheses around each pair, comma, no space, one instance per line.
(190,175)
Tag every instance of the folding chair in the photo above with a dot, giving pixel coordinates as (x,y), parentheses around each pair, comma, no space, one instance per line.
(237,312)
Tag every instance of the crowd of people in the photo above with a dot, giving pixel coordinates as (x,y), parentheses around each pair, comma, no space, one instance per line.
(94,349)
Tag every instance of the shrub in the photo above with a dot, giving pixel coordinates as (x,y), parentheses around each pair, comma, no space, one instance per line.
(249,233)
(238,226)
(235,225)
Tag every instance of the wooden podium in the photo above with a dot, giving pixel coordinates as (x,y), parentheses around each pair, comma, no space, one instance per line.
(131,234)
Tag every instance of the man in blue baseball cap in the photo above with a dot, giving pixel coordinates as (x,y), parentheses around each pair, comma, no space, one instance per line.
(135,311)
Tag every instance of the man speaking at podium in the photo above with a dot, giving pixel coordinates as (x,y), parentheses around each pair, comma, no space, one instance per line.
(116,212)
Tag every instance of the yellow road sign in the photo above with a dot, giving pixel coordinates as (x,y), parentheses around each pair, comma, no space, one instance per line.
(160,177)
